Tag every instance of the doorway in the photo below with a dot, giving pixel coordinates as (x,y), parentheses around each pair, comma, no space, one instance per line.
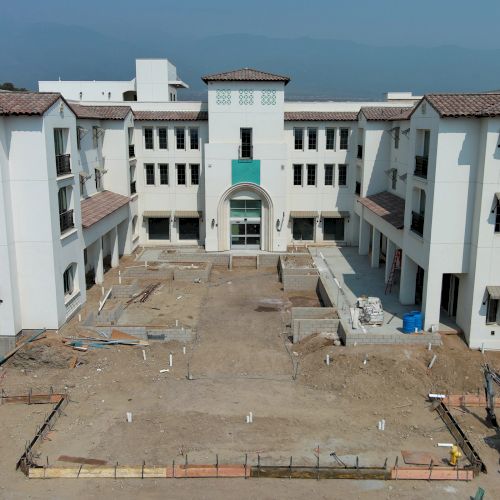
(245,222)
(449,294)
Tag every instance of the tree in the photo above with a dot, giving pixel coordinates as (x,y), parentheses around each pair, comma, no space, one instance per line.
(12,87)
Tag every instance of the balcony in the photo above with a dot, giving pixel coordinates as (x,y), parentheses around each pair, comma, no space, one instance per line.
(131,151)
(63,166)
(133,188)
(417,223)
(357,190)
(421,163)
(360,151)
(66,220)
(245,152)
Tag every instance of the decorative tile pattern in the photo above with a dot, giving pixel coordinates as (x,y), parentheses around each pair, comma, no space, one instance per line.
(223,97)
(246,97)
(268,97)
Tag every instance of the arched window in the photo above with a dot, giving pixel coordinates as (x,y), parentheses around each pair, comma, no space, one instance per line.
(69,279)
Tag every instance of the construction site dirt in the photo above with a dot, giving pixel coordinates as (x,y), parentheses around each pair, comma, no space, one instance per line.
(190,401)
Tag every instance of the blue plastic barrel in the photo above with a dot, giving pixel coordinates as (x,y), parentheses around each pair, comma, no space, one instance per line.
(419,323)
(408,323)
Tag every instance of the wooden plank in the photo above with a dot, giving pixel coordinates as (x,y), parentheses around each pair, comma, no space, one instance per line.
(119,335)
(33,399)
(319,473)
(437,473)
(81,460)
(467,400)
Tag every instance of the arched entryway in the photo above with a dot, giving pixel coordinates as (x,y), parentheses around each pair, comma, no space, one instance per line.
(245,215)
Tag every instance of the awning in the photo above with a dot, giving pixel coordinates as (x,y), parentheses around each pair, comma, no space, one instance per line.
(188,214)
(494,292)
(157,214)
(334,215)
(304,214)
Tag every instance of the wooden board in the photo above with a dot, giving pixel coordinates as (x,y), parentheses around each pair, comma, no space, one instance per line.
(437,473)
(464,400)
(419,457)
(119,335)
(81,460)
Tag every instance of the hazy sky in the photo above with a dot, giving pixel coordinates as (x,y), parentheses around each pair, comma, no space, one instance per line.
(379,22)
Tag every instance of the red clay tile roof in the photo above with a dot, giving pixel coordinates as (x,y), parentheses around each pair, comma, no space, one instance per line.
(26,103)
(465,105)
(314,116)
(100,205)
(388,206)
(383,113)
(100,112)
(245,75)
(187,116)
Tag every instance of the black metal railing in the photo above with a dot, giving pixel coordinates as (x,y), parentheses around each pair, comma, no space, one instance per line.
(66,220)
(63,166)
(360,151)
(131,151)
(421,163)
(133,188)
(417,223)
(245,152)
(357,190)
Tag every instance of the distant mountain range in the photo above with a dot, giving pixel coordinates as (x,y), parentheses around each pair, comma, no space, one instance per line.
(319,68)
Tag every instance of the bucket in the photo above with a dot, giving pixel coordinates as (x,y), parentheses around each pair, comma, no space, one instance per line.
(408,323)
(419,324)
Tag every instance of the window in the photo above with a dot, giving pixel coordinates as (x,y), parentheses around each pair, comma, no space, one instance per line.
(303,229)
(63,200)
(98,179)
(333,229)
(181,174)
(189,229)
(344,138)
(163,168)
(312,138)
(158,228)
(180,138)
(150,174)
(162,138)
(298,137)
(342,175)
(246,143)
(394,178)
(148,138)
(194,140)
(497,217)
(58,141)
(491,310)
(330,138)
(397,131)
(297,175)
(311,175)
(328,175)
(65,213)
(195,174)
(68,280)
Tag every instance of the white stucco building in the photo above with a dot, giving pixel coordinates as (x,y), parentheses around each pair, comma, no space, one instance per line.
(91,170)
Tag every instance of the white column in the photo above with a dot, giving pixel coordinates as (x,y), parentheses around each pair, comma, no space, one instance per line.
(431,297)
(99,265)
(389,257)
(408,280)
(115,255)
(364,237)
(375,260)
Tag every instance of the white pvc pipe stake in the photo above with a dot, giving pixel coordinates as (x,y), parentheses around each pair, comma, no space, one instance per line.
(79,318)
(144,354)
(120,277)
(445,445)
(250,416)
(433,360)
(429,348)
(102,290)
(170,360)
(176,322)
(129,417)
(248,419)
(184,350)
(327,360)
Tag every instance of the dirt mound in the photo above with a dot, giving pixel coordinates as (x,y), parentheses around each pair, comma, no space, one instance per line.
(47,354)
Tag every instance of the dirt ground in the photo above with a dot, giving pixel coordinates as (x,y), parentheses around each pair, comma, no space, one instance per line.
(240,361)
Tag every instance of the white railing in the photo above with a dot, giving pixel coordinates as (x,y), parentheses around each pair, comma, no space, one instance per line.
(73,304)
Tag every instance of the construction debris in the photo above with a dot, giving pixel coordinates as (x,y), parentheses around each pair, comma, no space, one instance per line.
(144,295)
(371,311)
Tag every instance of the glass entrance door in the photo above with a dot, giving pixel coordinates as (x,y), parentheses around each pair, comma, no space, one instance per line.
(245,224)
